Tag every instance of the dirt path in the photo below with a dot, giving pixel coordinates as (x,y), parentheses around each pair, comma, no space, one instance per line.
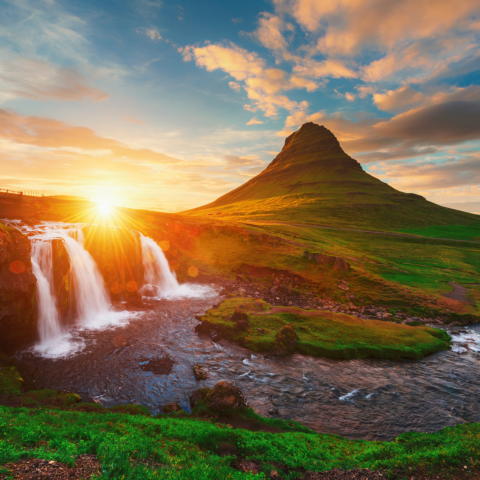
(458,293)
(326,227)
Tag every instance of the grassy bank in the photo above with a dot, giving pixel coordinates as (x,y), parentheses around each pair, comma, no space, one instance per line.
(138,447)
(263,328)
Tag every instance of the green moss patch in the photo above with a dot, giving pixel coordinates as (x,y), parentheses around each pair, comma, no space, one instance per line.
(260,327)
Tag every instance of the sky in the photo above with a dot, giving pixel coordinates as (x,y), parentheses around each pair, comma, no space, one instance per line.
(169,105)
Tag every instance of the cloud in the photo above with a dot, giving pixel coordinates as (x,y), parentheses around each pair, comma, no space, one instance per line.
(263,85)
(269,32)
(131,119)
(406,97)
(429,175)
(254,121)
(52,134)
(151,33)
(41,80)
(348,26)
(235,86)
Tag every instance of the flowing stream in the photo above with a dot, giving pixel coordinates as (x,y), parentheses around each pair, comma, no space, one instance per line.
(146,356)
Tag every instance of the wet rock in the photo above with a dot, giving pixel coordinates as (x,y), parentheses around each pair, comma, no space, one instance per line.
(341,264)
(198,396)
(172,407)
(61,279)
(285,341)
(225,396)
(200,372)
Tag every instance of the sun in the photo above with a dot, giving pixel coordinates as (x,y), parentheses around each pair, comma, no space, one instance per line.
(104,207)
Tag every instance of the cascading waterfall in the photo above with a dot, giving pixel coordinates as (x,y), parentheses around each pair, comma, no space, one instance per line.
(92,301)
(160,281)
(157,270)
(49,327)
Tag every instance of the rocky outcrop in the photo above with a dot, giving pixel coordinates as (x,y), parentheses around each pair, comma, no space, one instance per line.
(118,255)
(225,396)
(18,322)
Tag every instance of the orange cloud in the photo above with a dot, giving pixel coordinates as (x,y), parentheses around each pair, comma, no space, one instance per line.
(350,25)
(48,133)
(131,119)
(254,121)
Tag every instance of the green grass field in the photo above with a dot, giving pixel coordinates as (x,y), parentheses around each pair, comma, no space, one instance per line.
(456,232)
(139,447)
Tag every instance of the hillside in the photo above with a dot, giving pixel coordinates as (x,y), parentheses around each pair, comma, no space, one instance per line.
(312,180)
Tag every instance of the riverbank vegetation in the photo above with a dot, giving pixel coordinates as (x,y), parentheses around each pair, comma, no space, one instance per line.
(260,327)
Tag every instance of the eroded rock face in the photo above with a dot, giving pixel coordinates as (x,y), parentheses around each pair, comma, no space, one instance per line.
(225,396)
(18,320)
(118,255)
(61,279)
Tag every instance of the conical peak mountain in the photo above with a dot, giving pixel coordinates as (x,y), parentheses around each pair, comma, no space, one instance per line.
(313,144)
(313,180)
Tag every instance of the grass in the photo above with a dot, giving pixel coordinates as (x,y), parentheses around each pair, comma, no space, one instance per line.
(138,447)
(457,232)
(325,334)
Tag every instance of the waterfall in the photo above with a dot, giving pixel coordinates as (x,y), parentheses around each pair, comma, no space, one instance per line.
(49,327)
(157,270)
(159,281)
(92,300)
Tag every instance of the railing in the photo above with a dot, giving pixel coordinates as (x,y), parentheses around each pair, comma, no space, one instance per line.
(7,192)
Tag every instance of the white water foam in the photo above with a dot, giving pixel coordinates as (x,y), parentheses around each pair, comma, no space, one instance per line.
(350,395)
(465,342)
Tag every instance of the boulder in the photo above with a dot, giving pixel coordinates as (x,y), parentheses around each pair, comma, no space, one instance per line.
(200,372)
(341,264)
(311,256)
(325,259)
(149,291)
(198,396)
(225,396)
(172,407)
(285,340)
(306,253)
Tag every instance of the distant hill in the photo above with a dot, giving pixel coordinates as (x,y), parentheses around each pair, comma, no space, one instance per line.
(312,180)
(71,198)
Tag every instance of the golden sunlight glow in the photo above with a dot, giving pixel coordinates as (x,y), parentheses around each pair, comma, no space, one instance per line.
(104,207)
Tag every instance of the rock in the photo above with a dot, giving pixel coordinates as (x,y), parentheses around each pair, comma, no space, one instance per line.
(285,340)
(239,278)
(18,319)
(198,396)
(344,287)
(261,330)
(242,325)
(325,259)
(311,256)
(341,264)
(239,315)
(306,253)
(200,372)
(241,291)
(172,407)
(225,396)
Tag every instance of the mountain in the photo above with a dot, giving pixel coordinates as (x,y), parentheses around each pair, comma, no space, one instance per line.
(312,180)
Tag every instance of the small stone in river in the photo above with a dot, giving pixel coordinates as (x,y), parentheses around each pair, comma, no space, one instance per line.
(200,372)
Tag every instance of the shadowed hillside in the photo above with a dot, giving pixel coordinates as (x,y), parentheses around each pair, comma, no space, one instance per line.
(312,180)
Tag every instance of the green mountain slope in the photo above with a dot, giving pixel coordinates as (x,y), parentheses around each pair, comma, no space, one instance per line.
(312,180)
